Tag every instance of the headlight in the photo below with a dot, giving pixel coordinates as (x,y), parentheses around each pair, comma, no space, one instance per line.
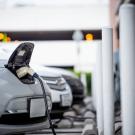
(18,105)
(55,83)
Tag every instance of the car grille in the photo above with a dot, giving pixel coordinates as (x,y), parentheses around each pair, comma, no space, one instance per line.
(56,83)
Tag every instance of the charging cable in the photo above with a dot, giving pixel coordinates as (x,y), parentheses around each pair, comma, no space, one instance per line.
(45,100)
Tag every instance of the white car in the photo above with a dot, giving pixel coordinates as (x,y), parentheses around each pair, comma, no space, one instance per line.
(73,81)
(22,104)
(60,90)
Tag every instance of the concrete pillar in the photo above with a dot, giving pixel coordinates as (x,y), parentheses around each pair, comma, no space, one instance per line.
(127,67)
(99,90)
(108,83)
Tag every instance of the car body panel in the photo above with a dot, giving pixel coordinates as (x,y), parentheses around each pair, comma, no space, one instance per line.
(11,129)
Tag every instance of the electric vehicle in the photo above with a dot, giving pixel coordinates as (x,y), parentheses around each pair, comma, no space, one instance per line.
(60,90)
(24,104)
(77,87)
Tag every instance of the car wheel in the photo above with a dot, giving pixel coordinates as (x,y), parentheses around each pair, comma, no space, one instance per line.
(76,87)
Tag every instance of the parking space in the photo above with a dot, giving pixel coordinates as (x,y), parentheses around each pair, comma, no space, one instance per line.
(74,121)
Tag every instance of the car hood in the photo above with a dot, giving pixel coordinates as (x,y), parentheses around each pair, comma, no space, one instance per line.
(61,71)
(43,71)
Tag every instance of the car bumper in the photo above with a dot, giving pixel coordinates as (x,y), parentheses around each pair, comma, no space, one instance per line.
(12,129)
(64,98)
(20,122)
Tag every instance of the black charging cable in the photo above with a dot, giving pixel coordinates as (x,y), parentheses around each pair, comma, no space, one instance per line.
(45,100)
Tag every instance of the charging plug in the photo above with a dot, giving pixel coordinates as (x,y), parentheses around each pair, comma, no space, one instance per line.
(21,72)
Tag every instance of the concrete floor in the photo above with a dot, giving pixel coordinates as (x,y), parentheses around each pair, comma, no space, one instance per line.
(71,131)
(72,127)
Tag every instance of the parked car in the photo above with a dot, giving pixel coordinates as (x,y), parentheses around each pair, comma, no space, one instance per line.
(22,106)
(58,86)
(60,90)
(73,81)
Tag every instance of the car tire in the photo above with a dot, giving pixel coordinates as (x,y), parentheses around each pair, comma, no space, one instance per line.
(76,87)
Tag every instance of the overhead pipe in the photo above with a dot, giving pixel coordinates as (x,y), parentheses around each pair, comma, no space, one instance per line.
(127,67)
